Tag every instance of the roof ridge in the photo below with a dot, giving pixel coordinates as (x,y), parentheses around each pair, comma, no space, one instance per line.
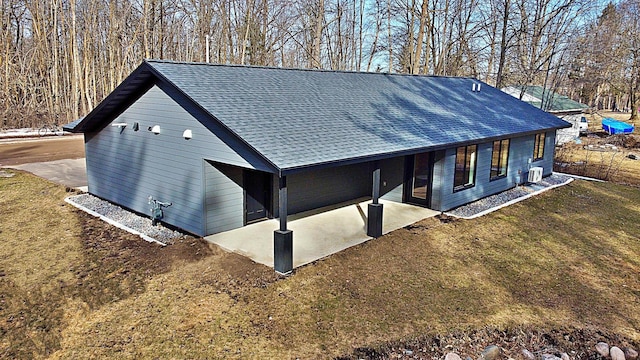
(306,70)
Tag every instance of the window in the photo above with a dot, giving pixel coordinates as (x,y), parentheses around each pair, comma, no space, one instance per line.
(538,147)
(465,176)
(499,159)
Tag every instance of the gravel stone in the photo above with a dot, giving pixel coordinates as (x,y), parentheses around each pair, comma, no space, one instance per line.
(630,354)
(127,218)
(603,349)
(492,201)
(528,355)
(491,352)
(616,353)
(549,357)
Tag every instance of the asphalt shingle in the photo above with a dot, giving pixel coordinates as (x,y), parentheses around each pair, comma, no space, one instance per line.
(297,118)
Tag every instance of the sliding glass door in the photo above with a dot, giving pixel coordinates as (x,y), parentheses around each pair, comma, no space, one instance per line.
(419,179)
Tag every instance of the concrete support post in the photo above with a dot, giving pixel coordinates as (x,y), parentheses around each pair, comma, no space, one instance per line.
(283,238)
(374,210)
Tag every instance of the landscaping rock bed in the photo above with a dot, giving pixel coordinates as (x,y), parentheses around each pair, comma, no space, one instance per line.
(128,219)
(500,344)
(495,201)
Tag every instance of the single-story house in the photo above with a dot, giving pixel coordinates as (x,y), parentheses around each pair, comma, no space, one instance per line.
(231,145)
(556,104)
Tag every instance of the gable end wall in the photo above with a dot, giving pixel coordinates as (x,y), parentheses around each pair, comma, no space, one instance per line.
(126,166)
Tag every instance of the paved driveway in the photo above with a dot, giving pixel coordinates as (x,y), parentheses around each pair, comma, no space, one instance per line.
(56,158)
(69,172)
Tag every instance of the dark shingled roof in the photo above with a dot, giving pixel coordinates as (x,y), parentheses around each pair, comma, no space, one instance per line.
(72,125)
(301,118)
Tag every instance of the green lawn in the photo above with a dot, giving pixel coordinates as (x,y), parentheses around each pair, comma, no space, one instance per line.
(72,287)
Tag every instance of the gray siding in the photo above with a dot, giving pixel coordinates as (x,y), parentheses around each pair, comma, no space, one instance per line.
(439,179)
(314,189)
(549,154)
(126,166)
(520,152)
(224,197)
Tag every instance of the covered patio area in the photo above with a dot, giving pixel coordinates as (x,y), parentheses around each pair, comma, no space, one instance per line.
(318,233)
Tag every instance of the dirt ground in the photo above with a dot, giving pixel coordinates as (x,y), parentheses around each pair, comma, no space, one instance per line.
(117,257)
(56,257)
(22,151)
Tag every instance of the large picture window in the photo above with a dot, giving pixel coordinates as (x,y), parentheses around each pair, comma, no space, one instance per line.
(538,147)
(499,159)
(465,176)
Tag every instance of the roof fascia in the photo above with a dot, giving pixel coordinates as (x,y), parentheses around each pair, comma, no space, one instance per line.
(173,91)
(99,117)
(358,160)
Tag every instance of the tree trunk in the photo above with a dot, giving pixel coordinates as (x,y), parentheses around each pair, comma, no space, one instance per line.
(75,92)
(245,38)
(390,38)
(424,16)
(503,45)
(317,36)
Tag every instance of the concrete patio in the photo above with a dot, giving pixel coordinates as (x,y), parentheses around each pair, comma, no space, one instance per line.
(318,233)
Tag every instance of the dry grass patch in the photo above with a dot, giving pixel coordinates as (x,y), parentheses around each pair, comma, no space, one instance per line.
(38,242)
(566,258)
(594,156)
(606,164)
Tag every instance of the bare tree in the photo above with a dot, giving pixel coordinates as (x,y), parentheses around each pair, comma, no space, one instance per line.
(631,40)
(59,58)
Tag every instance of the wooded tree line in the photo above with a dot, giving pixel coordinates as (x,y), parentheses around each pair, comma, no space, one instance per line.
(59,58)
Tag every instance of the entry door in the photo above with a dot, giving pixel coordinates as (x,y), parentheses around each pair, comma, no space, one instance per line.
(418,181)
(257,194)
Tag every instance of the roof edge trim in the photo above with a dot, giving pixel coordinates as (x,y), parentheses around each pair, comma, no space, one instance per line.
(163,78)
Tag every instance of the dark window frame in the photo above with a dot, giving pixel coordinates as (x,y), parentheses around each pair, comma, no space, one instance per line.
(538,146)
(470,162)
(499,170)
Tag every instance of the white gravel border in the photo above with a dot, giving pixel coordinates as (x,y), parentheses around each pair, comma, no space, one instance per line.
(511,202)
(112,222)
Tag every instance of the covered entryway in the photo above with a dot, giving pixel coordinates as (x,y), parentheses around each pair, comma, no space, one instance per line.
(257,189)
(318,233)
